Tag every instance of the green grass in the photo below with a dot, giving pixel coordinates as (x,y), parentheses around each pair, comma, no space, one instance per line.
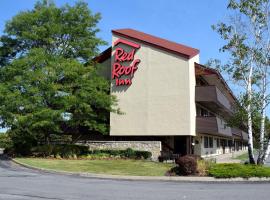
(233,170)
(242,157)
(115,167)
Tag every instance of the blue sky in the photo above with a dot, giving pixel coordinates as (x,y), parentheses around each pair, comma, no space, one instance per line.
(183,21)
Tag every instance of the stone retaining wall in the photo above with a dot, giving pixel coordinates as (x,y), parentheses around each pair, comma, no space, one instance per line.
(152,146)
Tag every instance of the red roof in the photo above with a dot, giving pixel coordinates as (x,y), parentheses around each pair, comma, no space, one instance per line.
(179,49)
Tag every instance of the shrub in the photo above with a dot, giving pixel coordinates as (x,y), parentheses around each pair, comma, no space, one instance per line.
(143,154)
(128,153)
(22,142)
(61,150)
(42,150)
(187,165)
(74,151)
(232,170)
(203,167)
(5,141)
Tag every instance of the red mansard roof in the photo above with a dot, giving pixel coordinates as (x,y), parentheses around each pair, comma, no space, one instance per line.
(166,45)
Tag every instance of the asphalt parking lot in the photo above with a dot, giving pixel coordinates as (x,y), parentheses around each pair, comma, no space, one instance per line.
(20,183)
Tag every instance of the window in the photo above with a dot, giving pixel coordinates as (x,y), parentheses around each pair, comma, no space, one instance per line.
(218,143)
(205,142)
(210,142)
(202,112)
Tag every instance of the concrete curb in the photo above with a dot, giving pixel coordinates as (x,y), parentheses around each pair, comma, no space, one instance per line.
(149,178)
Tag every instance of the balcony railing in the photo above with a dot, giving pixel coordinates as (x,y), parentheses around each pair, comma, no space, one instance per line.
(213,126)
(240,133)
(210,96)
(237,132)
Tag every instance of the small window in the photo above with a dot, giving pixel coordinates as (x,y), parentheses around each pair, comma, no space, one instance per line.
(218,143)
(210,142)
(205,142)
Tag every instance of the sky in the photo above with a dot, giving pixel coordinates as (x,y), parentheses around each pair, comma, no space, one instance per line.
(183,21)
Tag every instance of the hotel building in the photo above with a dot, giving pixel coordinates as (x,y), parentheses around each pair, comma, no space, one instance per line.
(172,105)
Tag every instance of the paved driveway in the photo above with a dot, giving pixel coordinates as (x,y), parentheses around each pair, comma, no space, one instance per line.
(20,183)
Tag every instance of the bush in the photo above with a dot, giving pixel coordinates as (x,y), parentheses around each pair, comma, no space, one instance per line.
(42,150)
(5,141)
(233,170)
(203,167)
(22,142)
(73,151)
(187,165)
(70,150)
(128,153)
(62,150)
(143,154)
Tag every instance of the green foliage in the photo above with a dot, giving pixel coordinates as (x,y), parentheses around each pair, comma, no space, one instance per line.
(62,150)
(68,31)
(23,141)
(47,82)
(71,151)
(246,38)
(234,170)
(240,116)
(5,141)
(203,167)
(128,153)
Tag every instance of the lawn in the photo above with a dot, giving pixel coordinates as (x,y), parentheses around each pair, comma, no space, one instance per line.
(242,157)
(115,167)
(232,170)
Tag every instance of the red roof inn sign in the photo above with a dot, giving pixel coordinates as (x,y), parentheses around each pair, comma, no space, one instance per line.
(123,74)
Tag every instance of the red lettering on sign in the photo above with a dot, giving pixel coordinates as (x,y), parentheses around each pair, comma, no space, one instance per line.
(119,82)
(119,70)
(122,56)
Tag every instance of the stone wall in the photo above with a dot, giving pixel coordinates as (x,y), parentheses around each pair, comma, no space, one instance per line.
(152,146)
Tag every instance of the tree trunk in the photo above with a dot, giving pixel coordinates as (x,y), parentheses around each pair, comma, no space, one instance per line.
(267,152)
(250,136)
(262,149)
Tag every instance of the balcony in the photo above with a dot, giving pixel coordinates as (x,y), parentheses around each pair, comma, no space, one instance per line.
(212,126)
(212,98)
(239,134)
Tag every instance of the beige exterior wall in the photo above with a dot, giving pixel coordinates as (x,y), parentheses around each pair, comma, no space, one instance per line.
(161,99)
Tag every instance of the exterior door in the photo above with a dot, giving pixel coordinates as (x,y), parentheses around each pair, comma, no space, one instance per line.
(180,145)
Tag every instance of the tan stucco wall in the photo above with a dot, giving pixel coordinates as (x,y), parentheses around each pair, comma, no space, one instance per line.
(161,99)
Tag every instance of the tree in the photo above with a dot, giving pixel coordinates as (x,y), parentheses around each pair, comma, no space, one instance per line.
(248,38)
(5,141)
(48,84)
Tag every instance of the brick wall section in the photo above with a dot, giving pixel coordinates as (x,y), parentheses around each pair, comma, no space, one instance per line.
(152,146)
